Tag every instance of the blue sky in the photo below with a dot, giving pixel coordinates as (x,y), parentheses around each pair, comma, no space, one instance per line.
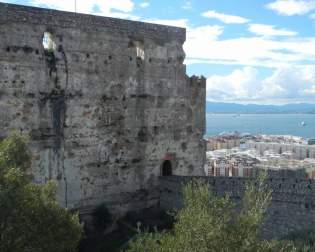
(250,51)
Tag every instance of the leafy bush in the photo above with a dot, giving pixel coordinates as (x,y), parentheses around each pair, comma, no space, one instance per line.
(210,223)
(30,216)
(14,153)
(302,240)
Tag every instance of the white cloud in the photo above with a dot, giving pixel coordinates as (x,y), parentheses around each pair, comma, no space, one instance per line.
(117,8)
(187,5)
(290,84)
(312,16)
(249,51)
(207,32)
(171,22)
(225,18)
(269,30)
(310,90)
(122,15)
(292,7)
(144,5)
(239,85)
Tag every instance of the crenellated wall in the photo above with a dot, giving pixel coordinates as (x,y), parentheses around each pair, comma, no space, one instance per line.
(292,207)
(104,107)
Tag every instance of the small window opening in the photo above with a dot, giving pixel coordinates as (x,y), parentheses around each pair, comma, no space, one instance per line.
(167,168)
(48,42)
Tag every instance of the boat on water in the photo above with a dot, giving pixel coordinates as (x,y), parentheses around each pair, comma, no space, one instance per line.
(303,123)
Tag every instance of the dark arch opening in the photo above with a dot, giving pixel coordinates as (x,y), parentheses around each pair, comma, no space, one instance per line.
(167,168)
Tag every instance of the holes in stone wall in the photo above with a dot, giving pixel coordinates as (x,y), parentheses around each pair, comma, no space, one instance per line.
(139,61)
(48,42)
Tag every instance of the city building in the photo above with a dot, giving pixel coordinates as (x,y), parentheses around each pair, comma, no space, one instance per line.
(227,141)
(280,156)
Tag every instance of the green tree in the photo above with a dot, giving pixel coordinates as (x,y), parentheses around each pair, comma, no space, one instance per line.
(210,223)
(31,219)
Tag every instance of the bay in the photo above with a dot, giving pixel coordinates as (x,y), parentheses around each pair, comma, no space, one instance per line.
(270,124)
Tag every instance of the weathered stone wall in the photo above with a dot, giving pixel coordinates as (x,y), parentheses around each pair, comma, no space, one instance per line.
(292,207)
(104,109)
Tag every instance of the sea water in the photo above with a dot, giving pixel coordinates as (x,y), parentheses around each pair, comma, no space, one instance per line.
(272,124)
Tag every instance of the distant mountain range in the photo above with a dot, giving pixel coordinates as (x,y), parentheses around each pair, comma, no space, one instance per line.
(235,108)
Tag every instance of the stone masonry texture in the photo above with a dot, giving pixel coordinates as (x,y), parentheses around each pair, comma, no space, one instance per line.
(104,108)
(292,207)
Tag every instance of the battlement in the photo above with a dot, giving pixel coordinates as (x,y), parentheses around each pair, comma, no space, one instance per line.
(11,13)
(292,207)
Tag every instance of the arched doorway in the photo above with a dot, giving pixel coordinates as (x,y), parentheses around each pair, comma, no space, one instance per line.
(167,168)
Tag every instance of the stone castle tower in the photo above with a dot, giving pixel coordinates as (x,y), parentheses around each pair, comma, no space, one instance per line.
(106,102)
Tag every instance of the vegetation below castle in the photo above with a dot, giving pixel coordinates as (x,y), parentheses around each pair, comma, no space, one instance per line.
(32,220)
(30,217)
(211,223)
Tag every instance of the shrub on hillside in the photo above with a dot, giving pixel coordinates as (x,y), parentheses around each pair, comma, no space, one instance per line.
(210,223)
(30,217)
